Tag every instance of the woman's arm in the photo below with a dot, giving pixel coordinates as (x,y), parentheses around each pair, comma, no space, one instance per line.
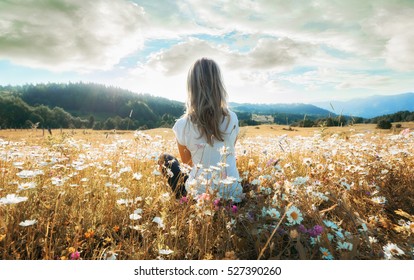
(185,154)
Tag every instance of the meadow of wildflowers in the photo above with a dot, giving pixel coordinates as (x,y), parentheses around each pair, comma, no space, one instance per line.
(323,196)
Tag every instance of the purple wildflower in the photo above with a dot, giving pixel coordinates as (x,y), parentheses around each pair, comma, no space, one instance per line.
(302,229)
(315,231)
(234,209)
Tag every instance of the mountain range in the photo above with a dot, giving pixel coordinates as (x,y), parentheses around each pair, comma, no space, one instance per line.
(372,106)
(281,108)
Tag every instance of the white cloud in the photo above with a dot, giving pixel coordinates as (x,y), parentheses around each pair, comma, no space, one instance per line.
(179,58)
(268,54)
(273,53)
(396,26)
(69,35)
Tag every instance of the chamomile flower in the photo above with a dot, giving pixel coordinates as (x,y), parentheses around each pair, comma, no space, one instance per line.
(124,201)
(272,212)
(379,199)
(391,250)
(372,239)
(344,246)
(326,255)
(27,223)
(12,199)
(26,174)
(339,234)
(26,186)
(294,215)
(159,221)
(135,216)
(330,224)
(165,252)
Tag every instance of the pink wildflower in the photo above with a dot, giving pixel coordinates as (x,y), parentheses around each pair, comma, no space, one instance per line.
(75,255)
(216,204)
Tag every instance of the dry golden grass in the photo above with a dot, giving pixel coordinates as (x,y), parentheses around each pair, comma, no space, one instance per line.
(312,193)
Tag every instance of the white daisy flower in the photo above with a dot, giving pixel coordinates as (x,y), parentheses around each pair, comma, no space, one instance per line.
(391,250)
(12,199)
(135,216)
(26,186)
(294,215)
(165,251)
(124,201)
(372,239)
(27,223)
(26,174)
(379,199)
(272,212)
(158,221)
(344,246)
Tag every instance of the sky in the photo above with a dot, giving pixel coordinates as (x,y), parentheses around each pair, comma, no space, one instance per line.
(269,51)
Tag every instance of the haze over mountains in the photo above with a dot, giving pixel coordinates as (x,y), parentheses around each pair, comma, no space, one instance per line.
(372,106)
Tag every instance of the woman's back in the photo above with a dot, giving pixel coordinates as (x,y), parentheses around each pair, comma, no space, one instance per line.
(214,166)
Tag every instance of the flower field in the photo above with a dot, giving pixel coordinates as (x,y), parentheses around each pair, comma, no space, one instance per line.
(323,194)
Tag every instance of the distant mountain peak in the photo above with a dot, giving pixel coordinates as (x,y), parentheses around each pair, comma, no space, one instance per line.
(372,106)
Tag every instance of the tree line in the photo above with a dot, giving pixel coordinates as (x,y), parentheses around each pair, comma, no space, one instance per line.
(84,105)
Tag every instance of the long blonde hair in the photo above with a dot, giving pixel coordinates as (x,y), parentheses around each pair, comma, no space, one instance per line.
(207,99)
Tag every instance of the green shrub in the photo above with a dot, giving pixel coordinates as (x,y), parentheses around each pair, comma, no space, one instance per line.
(384,124)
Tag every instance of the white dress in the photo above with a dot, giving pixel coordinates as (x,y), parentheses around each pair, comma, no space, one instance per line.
(214,167)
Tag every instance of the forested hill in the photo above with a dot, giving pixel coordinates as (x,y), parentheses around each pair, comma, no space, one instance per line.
(84,105)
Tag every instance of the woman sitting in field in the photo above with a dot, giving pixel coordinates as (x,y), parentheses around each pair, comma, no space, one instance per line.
(206,136)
